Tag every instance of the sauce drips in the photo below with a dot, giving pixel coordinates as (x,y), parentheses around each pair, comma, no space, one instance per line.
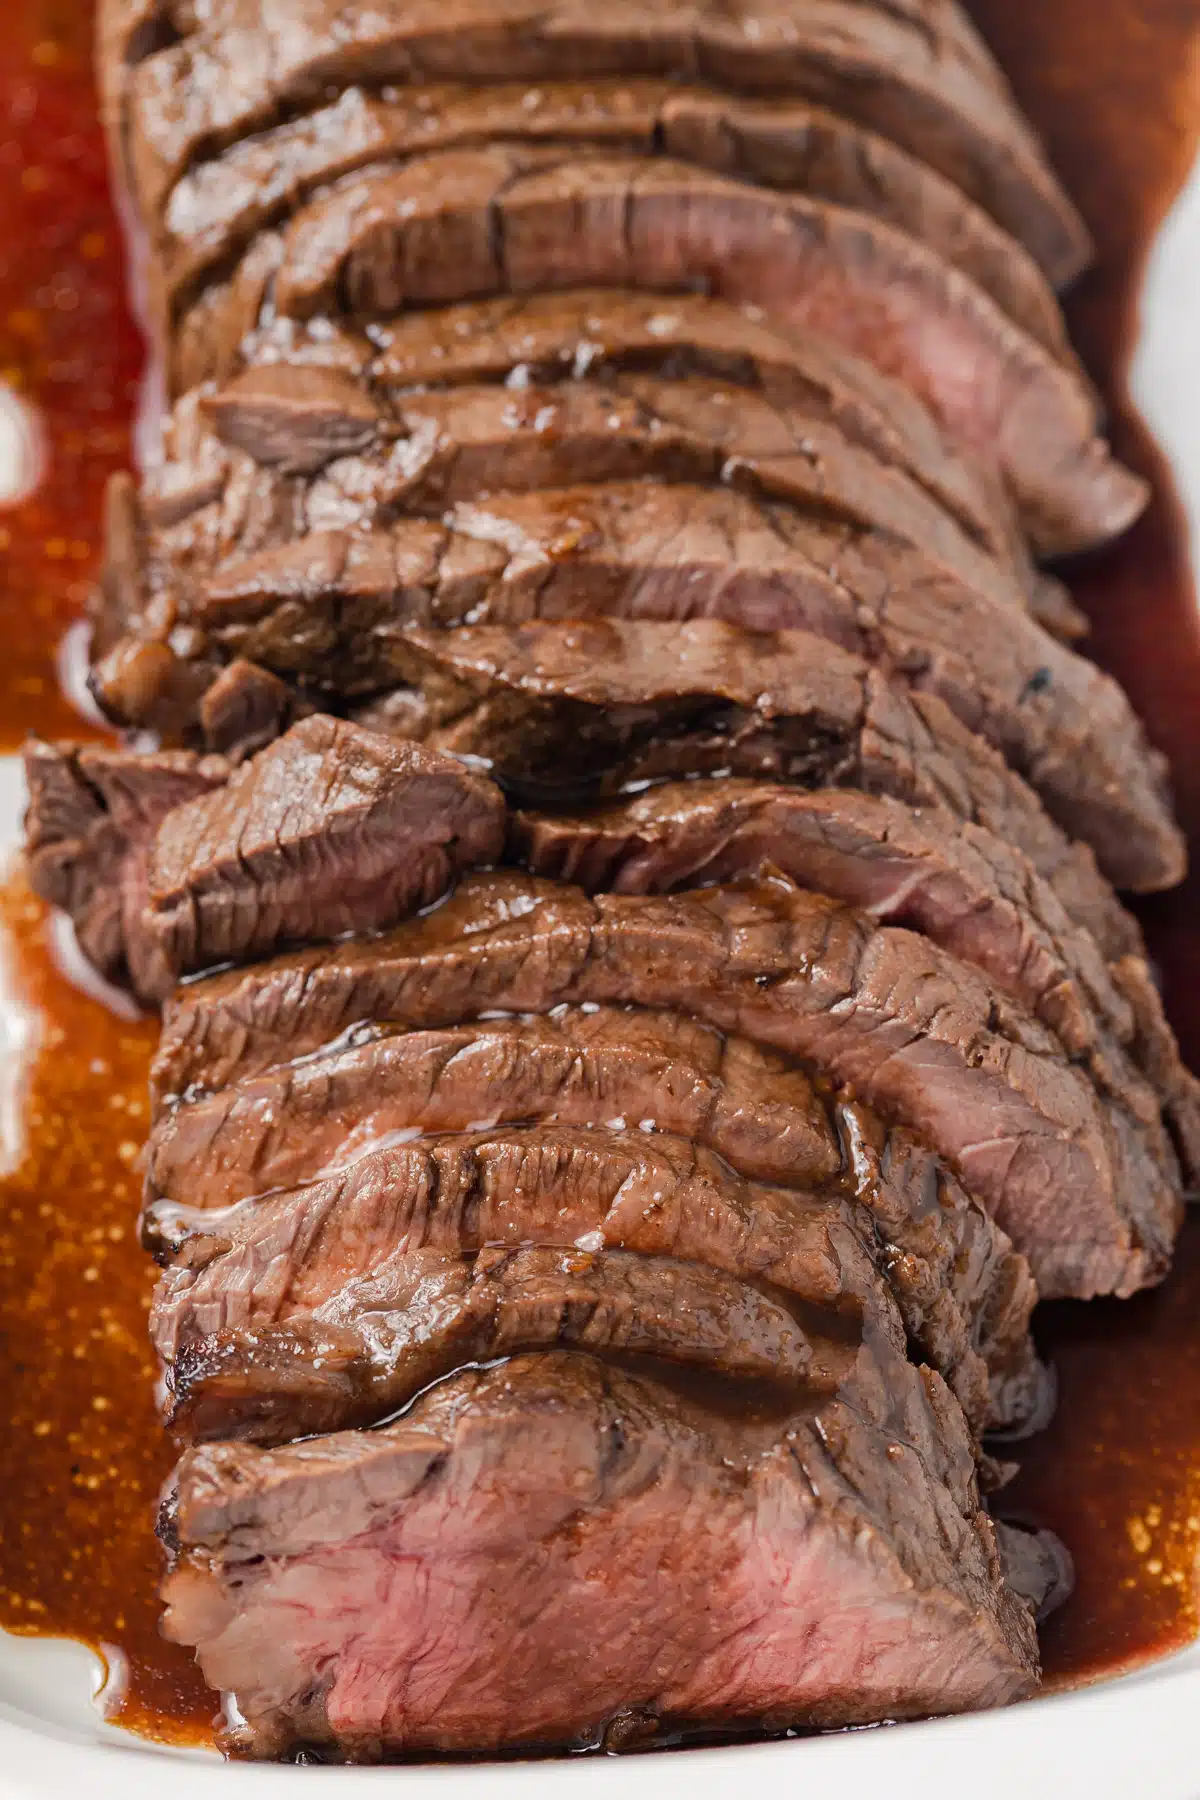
(84,1453)
(1113,88)
(1117,1475)
(68,347)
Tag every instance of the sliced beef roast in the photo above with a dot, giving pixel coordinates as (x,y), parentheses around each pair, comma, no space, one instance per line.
(604,1233)
(419,1318)
(332,607)
(962,886)
(616,1188)
(923,1038)
(538,1547)
(816,715)
(335,1305)
(473,223)
(624,702)
(541,338)
(242,69)
(216,208)
(342,1262)
(332,829)
(368,462)
(1067,727)
(964,1297)
(603,1066)
(950,1268)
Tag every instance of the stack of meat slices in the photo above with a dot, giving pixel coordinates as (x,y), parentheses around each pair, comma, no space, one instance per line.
(627,863)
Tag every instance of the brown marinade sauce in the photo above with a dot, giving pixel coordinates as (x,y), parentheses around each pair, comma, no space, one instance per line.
(1114,88)
(82,1455)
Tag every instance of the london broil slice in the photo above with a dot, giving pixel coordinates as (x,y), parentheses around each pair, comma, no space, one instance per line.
(922,1036)
(511,219)
(641,1532)
(624,844)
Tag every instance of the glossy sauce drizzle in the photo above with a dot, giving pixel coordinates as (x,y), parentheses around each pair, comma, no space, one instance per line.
(82,1455)
(85,1454)
(1113,87)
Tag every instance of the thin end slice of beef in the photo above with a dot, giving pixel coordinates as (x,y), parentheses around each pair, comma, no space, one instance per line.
(1038,1566)
(564,1542)
(90,808)
(218,205)
(239,70)
(510,692)
(206,342)
(168,862)
(120,597)
(965,1298)
(972,893)
(924,1039)
(296,419)
(332,829)
(509,219)
(244,710)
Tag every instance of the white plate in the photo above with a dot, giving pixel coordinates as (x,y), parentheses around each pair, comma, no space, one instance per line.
(1138,1736)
